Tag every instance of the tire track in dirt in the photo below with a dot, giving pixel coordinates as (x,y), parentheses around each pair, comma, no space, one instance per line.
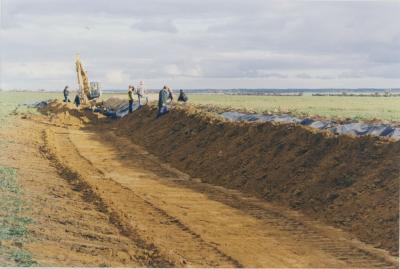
(195,236)
(352,252)
(201,253)
(66,230)
(150,256)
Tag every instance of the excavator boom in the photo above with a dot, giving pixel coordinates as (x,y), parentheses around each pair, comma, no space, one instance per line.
(88,90)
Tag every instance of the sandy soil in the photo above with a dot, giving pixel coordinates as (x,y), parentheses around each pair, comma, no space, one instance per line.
(350,183)
(70,228)
(100,200)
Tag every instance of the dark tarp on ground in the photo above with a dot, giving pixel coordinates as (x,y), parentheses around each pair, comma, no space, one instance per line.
(357,129)
(39,104)
(116,107)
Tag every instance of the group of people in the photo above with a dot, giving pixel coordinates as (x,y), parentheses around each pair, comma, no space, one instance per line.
(140,92)
(77,99)
(165,97)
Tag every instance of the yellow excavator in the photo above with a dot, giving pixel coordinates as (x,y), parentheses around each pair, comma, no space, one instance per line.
(89,91)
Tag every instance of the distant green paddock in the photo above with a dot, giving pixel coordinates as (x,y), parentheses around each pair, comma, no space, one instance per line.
(383,108)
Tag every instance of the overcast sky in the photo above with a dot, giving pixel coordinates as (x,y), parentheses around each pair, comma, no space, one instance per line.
(200,43)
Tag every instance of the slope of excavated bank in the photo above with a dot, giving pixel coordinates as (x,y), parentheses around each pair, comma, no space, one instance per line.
(349,182)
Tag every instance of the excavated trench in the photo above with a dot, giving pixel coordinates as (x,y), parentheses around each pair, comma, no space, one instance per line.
(347,182)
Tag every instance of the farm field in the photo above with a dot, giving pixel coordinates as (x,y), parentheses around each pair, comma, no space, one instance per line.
(357,108)
(190,190)
(366,108)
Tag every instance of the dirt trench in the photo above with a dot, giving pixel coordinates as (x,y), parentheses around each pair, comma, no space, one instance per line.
(188,221)
(351,183)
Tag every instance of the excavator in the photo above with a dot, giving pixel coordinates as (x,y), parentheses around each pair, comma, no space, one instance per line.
(89,91)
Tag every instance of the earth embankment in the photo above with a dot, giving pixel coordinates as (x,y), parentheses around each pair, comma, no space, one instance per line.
(350,183)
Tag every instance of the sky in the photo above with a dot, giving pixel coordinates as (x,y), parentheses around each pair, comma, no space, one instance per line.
(196,44)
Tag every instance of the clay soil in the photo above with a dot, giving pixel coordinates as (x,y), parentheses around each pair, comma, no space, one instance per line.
(192,190)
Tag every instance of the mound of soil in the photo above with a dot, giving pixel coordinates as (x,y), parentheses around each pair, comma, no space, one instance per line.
(351,183)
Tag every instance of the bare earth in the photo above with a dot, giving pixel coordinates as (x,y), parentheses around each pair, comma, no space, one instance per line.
(99,200)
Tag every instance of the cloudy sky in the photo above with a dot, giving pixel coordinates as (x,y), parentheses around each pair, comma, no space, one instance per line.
(200,43)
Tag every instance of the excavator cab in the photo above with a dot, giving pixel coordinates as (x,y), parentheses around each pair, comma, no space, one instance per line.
(95,90)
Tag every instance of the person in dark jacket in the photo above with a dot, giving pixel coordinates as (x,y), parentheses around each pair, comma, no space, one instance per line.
(131,90)
(66,94)
(182,97)
(170,95)
(163,97)
(77,100)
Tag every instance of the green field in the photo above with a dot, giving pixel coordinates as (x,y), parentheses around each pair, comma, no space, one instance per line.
(382,108)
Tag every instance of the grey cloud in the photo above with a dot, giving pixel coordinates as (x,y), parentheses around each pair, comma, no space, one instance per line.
(325,77)
(304,76)
(204,41)
(133,8)
(352,74)
(155,25)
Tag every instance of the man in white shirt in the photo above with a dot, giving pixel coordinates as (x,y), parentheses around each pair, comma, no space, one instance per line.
(141,93)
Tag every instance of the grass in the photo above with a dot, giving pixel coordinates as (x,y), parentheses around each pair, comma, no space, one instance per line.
(23,258)
(13,225)
(357,108)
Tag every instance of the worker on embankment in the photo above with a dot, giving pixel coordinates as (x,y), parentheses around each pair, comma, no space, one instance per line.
(77,100)
(141,93)
(182,97)
(170,95)
(131,90)
(163,97)
(66,94)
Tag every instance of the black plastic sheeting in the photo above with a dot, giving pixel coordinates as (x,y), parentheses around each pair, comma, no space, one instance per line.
(356,129)
(39,104)
(120,112)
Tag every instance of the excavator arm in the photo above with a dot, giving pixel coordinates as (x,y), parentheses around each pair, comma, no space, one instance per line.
(88,90)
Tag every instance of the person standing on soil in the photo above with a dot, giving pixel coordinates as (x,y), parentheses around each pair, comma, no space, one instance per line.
(130,96)
(66,94)
(163,97)
(182,97)
(170,95)
(77,100)
(141,94)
